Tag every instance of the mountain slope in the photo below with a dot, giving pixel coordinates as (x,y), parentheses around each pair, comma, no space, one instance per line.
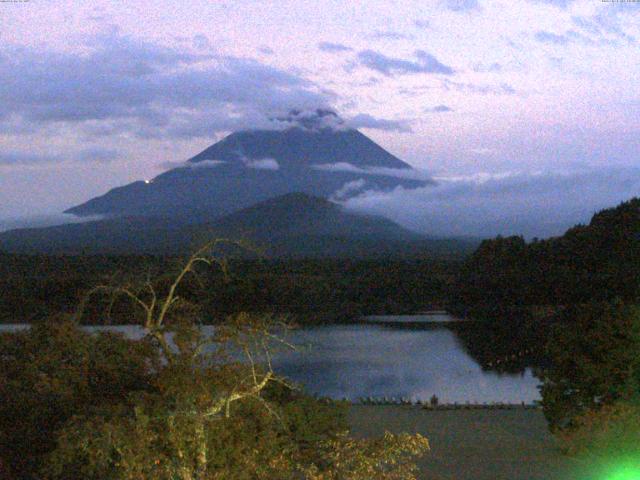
(291,225)
(297,147)
(251,166)
(297,214)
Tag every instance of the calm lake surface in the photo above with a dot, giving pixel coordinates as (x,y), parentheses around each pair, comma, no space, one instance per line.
(384,358)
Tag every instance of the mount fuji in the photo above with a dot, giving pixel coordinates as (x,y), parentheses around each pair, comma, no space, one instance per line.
(313,153)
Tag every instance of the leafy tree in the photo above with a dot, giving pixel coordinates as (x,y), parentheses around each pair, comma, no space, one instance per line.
(598,261)
(609,432)
(217,410)
(493,275)
(54,371)
(594,362)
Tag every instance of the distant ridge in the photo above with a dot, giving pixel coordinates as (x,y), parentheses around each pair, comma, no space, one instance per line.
(292,225)
(300,214)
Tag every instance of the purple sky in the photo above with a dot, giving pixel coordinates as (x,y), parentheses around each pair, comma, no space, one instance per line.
(528,112)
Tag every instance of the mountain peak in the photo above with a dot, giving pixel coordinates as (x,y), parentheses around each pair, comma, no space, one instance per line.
(317,119)
(323,141)
(317,155)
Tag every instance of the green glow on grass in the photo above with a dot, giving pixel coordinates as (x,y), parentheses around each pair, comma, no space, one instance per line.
(625,471)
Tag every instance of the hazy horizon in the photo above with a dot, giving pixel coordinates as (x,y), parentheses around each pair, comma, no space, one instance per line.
(525,113)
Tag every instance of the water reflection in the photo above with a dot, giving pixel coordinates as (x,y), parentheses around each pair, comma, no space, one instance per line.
(353,361)
(395,359)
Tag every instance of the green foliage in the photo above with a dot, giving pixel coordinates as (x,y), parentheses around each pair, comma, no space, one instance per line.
(169,437)
(514,336)
(54,371)
(577,293)
(605,442)
(594,362)
(518,289)
(493,274)
(609,432)
(599,261)
(388,458)
(175,405)
(177,431)
(314,291)
(329,290)
(40,286)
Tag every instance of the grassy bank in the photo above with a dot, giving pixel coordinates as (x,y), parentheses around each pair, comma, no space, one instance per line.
(473,444)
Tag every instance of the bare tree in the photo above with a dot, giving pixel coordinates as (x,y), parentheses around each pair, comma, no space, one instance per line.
(253,335)
(212,393)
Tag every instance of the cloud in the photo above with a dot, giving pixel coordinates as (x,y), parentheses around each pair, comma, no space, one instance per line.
(491,68)
(405,173)
(201,42)
(123,84)
(438,109)
(501,89)
(314,119)
(423,24)
(95,154)
(533,204)
(348,189)
(482,150)
(569,37)
(548,37)
(333,47)
(205,164)
(364,120)
(556,3)
(601,28)
(210,163)
(389,35)
(256,163)
(266,50)
(461,5)
(101,155)
(26,158)
(605,25)
(338,167)
(206,123)
(262,163)
(389,66)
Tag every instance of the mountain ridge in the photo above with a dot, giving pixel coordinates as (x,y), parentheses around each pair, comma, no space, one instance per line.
(292,225)
(250,166)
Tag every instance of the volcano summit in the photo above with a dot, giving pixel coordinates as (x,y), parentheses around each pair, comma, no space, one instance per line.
(313,153)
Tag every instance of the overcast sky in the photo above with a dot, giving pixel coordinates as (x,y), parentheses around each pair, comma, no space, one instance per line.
(526,112)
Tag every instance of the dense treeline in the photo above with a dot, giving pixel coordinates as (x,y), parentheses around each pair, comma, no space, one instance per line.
(35,287)
(333,290)
(580,295)
(314,290)
(595,361)
(599,261)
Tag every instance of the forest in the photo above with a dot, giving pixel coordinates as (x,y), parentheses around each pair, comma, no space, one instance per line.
(578,295)
(595,262)
(312,290)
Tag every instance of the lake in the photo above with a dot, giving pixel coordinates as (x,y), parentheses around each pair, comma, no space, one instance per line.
(386,358)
